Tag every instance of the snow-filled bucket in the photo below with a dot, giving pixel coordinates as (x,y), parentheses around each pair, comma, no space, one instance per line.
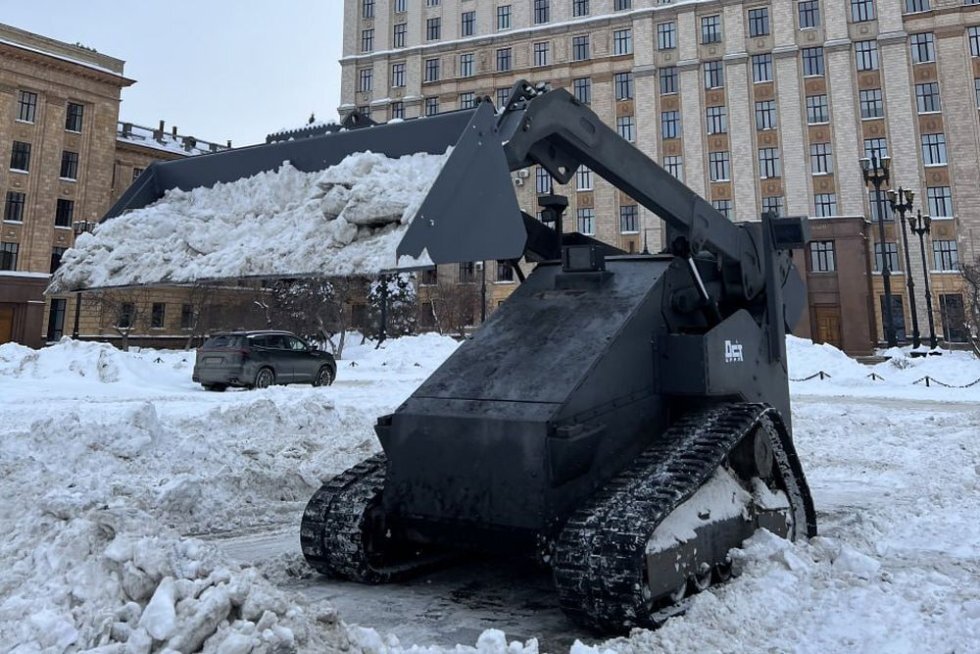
(403,195)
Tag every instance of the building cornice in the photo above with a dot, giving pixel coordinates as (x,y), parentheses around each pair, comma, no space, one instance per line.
(29,55)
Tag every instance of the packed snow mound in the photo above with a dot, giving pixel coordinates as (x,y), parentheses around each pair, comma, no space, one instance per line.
(347,219)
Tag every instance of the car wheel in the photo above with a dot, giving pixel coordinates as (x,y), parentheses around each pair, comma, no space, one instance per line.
(324,377)
(264,378)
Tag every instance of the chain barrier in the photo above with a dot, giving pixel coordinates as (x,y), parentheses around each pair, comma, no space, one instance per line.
(821,374)
(932,380)
(929,381)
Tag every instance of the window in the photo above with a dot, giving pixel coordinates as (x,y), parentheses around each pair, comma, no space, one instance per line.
(816,109)
(714,75)
(622,42)
(973,33)
(26,106)
(502,96)
(429,276)
(580,47)
(467,100)
(14,209)
(621,5)
(878,147)
(431,106)
(69,165)
(773,204)
(580,7)
(433,29)
(582,89)
(63,213)
(8,256)
(822,256)
(976,90)
(769,165)
(367,40)
(431,3)
(880,210)
(871,104)
(666,36)
(891,252)
(716,119)
(927,97)
(364,110)
(812,61)
(628,218)
(718,166)
(759,21)
(401,6)
(20,156)
(668,80)
(432,70)
(897,315)
(934,149)
(467,272)
(586,221)
(541,52)
(923,48)
(675,166)
(157,313)
(809,14)
(56,254)
(669,124)
(542,11)
(367,8)
(136,173)
(503,59)
(953,318)
(467,66)
(626,126)
(397,111)
(940,201)
(724,207)
(825,204)
(866,55)
(913,6)
(542,181)
(505,273)
(711,29)
(862,10)
(126,314)
(398,35)
(365,78)
(765,114)
(623,85)
(186,316)
(821,159)
(73,119)
(398,75)
(762,68)
(583,179)
(467,23)
(503,17)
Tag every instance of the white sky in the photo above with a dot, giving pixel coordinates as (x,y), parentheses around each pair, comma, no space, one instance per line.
(218,69)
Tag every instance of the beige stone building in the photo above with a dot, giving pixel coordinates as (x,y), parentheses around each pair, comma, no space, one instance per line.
(65,158)
(757,105)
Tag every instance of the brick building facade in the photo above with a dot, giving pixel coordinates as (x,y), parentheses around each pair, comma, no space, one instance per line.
(755,105)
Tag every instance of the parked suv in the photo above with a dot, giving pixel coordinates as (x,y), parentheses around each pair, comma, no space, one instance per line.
(257,359)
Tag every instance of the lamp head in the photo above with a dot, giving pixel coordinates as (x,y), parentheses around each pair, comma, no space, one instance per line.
(892,195)
(909,197)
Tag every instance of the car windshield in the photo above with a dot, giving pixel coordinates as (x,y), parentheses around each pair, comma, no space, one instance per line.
(223,341)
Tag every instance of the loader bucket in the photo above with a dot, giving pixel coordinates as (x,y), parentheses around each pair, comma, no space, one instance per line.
(460,206)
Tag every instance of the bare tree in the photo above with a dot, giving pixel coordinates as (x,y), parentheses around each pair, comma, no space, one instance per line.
(317,308)
(453,306)
(971,318)
(124,311)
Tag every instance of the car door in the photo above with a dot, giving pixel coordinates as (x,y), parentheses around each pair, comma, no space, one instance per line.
(305,364)
(281,358)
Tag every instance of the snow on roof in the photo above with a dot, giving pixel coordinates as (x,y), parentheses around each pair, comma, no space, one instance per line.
(160,139)
(64,57)
(347,219)
(316,128)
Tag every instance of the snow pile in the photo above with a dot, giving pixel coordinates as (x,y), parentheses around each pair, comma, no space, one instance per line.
(491,641)
(347,219)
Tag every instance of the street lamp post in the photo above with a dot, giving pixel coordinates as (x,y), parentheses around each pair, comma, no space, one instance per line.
(902,203)
(920,225)
(876,173)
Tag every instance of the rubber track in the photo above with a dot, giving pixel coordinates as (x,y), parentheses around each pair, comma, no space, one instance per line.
(599,560)
(331,531)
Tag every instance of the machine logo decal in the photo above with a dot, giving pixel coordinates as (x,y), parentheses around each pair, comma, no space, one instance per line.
(733,352)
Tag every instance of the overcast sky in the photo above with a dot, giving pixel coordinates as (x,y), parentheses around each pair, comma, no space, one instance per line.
(218,69)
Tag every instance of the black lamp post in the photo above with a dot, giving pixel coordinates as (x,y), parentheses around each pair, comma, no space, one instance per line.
(920,225)
(875,172)
(901,202)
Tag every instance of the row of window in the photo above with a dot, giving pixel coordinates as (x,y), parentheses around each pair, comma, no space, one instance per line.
(945,256)
(16,203)
(467,274)
(27,111)
(20,160)
(541,11)
(10,250)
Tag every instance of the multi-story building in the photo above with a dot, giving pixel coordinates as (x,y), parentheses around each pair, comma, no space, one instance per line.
(69,159)
(758,105)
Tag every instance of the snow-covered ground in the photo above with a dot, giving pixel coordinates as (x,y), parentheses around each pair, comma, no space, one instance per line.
(118,472)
